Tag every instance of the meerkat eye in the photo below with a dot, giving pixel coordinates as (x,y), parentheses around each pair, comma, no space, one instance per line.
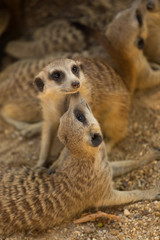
(56,76)
(139,18)
(80,116)
(75,69)
(140,43)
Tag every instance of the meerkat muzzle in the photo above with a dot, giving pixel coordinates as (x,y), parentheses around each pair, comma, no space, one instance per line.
(96,139)
(75,84)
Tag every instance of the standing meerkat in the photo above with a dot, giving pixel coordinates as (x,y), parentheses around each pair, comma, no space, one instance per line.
(97,82)
(38,199)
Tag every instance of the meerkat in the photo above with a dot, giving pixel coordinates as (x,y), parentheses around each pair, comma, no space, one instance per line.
(126,53)
(59,35)
(38,199)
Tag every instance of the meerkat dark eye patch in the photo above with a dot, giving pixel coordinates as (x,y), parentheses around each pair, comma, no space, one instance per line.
(75,69)
(139,18)
(39,83)
(140,43)
(80,116)
(57,76)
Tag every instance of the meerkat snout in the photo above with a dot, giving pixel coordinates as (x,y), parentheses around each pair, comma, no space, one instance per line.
(96,139)
(75,84)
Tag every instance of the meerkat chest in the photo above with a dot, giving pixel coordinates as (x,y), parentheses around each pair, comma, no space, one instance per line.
(53,106)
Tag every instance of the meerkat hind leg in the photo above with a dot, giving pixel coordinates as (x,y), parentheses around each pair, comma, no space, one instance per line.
(26,129)
(122,167)
(23,114)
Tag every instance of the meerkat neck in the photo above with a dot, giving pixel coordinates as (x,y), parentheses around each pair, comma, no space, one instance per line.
(123,62)
(87,157)
(53,104)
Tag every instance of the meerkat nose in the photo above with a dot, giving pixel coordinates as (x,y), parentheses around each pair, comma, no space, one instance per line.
(96,139)
(75,84)
(150,6)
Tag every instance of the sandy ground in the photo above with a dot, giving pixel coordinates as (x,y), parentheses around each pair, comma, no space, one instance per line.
(140,220)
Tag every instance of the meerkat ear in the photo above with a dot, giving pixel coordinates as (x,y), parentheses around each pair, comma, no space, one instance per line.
(80,65)
(39,83)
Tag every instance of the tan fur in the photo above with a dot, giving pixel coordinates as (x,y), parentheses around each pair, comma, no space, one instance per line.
(103,89)
(136,74)
(128,60)
(25,111)
(18,97)
(152,48)
(17,92)
(38,199)
(109,103)
(61,35)
(93,16)
(57,36)
(48,24)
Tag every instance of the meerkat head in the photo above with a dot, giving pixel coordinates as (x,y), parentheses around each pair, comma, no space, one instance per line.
(153,5)
(79,131)
(129,28)
(62,76)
